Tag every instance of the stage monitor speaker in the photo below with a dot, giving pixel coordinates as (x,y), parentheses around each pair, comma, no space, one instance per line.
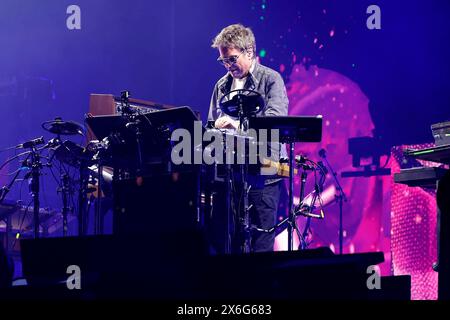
(158,266)
(177,267)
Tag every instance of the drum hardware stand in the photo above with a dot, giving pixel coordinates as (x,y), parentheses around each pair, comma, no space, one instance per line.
(98,206)
(245,220)
(65,188)
(82,198)
(84,204)
(98,225)
(60,127)
(292,222)
(230,220)
(134,125)
(246,227)
(36,165)
(340,198)
(301,162)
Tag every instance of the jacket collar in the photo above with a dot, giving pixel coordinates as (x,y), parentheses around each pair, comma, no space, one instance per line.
(225,82)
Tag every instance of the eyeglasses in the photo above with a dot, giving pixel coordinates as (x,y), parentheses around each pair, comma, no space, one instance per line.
(231,60)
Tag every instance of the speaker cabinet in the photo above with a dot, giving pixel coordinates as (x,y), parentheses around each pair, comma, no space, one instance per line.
(156,204)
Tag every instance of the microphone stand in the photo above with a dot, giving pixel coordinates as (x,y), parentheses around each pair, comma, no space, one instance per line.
(82,198)
(6,188)
(36,165)
(134,125)
(291,217)
(301,163)
(65,195)
(245,220)
(34,187)
(64,189)
(340,198)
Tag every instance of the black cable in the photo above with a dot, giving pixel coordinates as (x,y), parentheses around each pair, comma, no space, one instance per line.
(54,177)
(318,166)
(66,171)
(7,149)
(13,158)
(10,173)
(139,112)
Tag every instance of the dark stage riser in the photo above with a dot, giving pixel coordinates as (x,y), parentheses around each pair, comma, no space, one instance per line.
(177,266)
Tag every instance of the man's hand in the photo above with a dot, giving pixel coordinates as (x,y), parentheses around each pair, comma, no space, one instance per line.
(226,123)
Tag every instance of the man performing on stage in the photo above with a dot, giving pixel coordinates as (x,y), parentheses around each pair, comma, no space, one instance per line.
(237,50)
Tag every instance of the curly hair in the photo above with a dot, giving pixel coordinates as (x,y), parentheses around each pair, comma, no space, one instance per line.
(236,36)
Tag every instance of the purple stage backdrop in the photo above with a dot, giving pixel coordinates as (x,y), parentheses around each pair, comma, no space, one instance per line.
(390,82)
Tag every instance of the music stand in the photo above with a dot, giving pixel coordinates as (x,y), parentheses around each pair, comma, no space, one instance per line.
(291,129)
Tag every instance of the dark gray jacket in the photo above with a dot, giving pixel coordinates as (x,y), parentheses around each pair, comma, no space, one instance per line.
(264,80)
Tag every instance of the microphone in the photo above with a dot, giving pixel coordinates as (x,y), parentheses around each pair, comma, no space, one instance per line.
(31,143)
(322,153)
(301,161)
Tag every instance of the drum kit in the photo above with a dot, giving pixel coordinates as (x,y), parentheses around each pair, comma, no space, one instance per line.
(34,161)
(87,160)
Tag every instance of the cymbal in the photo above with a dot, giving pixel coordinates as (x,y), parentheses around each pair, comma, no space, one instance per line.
(251,102)
(60,127)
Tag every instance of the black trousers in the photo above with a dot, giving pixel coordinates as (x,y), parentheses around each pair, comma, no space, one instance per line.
(263,214)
